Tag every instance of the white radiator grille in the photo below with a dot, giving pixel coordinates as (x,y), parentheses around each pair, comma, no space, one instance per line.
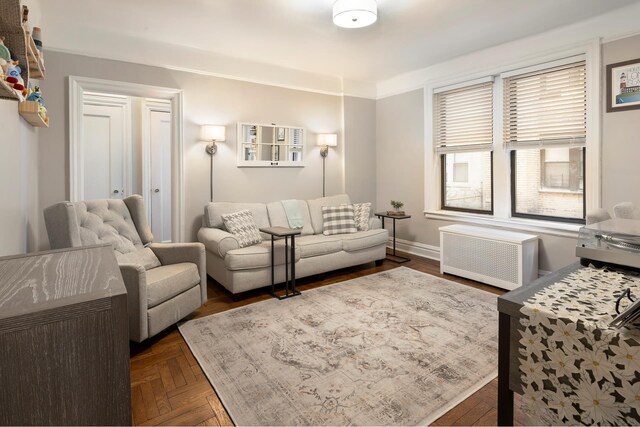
(489,258)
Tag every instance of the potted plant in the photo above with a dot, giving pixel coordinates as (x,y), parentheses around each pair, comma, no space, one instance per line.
(397,205)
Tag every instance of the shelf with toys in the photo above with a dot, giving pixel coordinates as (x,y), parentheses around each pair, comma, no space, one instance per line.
(21,61)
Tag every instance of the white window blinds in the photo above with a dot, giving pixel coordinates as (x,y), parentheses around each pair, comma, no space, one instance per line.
(547,107)
(463,119)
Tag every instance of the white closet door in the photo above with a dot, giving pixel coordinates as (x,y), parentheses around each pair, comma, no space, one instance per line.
(160,174)
(104,149)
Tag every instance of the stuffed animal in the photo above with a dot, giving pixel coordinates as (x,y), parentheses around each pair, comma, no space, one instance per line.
(5,57)
(14,76)
(36,96)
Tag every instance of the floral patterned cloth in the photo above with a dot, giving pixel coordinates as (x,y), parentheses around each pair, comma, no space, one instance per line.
(575,368)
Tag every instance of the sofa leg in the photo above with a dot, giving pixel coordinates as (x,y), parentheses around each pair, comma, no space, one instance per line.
(379,262)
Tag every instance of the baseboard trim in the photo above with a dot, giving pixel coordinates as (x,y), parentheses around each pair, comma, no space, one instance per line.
(416,248)
(428,251)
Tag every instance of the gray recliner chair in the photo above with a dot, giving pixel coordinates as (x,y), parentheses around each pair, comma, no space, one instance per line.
(165,281)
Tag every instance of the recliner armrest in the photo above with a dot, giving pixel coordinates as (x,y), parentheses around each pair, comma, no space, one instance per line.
(217,241)
(135,280)
(174,253)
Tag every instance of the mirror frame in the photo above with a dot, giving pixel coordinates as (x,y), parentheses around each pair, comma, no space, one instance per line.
(241,162)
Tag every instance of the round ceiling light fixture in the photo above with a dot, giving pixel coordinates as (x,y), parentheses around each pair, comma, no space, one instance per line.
(355,13)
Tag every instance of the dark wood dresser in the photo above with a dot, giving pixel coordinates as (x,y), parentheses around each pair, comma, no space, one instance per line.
(64,339)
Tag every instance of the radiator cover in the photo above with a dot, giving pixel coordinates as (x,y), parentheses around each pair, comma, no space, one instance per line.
(500,258)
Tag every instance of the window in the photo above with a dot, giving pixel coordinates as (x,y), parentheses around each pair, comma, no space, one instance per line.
(463,119)
(545,127)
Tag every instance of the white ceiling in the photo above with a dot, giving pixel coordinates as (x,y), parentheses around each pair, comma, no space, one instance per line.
(299,34)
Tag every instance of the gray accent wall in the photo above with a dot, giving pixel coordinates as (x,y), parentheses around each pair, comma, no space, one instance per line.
(400,162)
(360,149)
(620,135)
(207,100)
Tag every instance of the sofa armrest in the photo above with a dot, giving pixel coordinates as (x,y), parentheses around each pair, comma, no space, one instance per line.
(217,241)
(135,280)
(375,223)
(174,253)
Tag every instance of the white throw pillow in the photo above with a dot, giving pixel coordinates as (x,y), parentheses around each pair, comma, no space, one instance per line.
(362,212)
(338,220)
(242,225)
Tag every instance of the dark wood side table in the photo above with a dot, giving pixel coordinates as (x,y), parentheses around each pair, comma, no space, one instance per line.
(280,232)
(392,256)
(64,339)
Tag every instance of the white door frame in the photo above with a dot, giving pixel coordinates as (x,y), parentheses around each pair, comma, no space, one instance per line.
(149,105)
(77,87)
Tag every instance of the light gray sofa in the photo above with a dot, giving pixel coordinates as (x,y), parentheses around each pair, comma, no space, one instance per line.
(165,281)
(241,269)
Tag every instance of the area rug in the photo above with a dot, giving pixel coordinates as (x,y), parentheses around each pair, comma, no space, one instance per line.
(394,348)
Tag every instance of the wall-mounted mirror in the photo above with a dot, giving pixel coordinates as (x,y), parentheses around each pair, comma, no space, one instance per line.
(270,145)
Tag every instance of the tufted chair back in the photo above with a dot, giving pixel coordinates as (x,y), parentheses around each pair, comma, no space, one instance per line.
(121,223)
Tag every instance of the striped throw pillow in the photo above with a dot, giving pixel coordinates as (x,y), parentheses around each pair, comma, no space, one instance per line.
(338,220)
(242,225)
(362,213)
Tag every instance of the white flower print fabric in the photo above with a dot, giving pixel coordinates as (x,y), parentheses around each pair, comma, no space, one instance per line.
(575,368)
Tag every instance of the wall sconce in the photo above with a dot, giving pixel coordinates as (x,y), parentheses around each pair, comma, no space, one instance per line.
(212,133)
(326,140)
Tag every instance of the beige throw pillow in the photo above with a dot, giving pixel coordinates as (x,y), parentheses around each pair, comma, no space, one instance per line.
(362,212)
(242,225)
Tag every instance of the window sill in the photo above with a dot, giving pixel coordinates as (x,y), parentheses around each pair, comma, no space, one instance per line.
(550,228)
(561,191)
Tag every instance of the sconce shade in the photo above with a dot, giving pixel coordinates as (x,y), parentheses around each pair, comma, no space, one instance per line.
(213,133)
(328,139)
(355,13)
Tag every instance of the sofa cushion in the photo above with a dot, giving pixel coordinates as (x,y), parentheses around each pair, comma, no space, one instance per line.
(213,213)
(362,212)
(167,281)
(364,240)
(243,227)
(257,256)
(338,220)
(278,216)
(315,209)
(318,244)
(144,257)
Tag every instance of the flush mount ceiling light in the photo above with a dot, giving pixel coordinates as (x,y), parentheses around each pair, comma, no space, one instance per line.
(355,13)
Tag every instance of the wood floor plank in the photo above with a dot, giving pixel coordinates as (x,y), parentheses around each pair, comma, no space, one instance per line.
(144,374)
(137,403)
(195,416)
(188,354)
(162,401)
(167,378)
(173,416)
(150,405)
(221,413)
(183,395)
(185,368)
(176,373)
(488,419)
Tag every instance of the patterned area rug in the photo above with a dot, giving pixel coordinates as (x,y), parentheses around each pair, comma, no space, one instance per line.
(394,348)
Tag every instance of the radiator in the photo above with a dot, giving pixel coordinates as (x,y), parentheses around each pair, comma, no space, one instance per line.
(500,258)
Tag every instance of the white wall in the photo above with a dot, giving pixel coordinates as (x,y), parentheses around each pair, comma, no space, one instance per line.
(18,182)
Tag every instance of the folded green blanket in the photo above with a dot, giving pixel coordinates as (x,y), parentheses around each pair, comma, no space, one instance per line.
(294,215)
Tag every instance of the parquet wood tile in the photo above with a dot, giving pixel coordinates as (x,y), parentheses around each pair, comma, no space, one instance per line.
(169,387)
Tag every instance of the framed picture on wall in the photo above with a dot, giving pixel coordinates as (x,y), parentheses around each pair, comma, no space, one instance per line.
(280,134)
(623,86)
